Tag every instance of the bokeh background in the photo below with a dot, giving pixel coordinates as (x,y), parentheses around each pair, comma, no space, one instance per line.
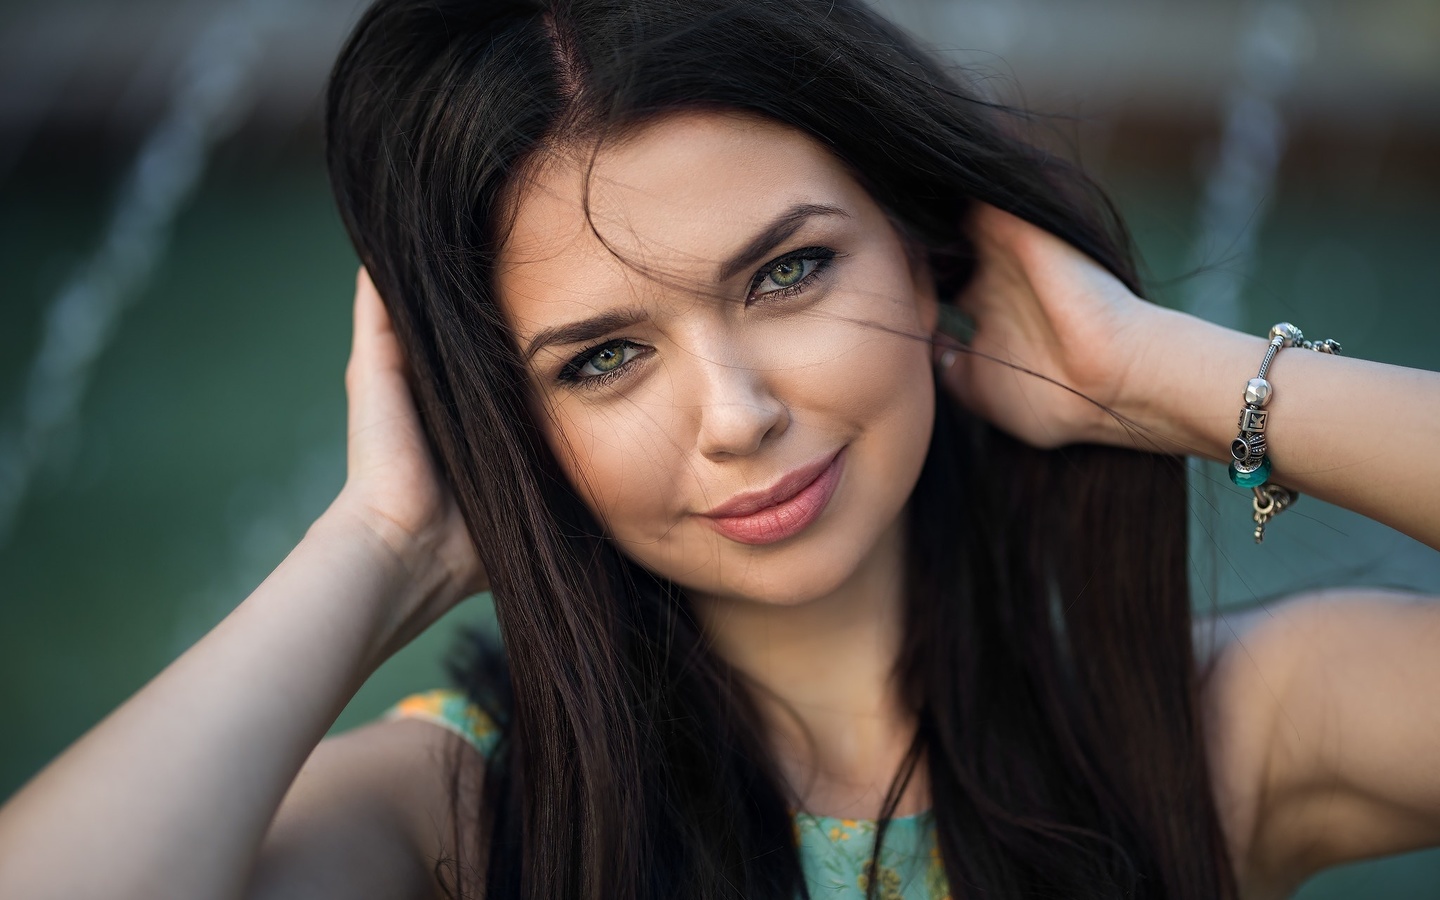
(175,290)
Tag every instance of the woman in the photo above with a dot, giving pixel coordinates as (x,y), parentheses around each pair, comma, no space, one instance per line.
(775,562)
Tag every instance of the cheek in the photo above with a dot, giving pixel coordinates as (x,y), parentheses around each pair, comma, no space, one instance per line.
(864,375)
(876,386)
(864,361)
(619,455)
(880,395)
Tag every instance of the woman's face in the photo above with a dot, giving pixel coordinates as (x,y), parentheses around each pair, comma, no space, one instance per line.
(735,373)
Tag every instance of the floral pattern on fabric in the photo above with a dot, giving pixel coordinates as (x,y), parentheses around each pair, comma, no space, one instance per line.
(450,709)
(834,853)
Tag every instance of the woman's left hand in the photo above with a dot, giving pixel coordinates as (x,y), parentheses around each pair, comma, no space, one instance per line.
(1043,306)
(1118,370)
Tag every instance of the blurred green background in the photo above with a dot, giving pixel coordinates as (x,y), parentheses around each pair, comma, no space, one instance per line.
(208,428)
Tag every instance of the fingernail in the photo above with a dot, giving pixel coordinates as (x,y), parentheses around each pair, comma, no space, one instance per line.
(947,359)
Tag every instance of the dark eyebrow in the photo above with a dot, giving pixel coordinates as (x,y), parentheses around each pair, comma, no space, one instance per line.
(784,225)
(585,329)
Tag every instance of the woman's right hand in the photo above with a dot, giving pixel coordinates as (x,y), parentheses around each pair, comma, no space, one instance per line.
(393,488)
(173,793)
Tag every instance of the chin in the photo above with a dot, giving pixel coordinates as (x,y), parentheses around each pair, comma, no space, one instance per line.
(788,589)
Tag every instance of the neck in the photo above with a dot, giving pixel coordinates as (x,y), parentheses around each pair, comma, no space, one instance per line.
(823,676)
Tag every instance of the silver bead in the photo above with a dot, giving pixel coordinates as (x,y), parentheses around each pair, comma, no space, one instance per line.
(1257,392)
(1239,450)
(1290,333)
(1247,466)
(1252,419)
(1248,449)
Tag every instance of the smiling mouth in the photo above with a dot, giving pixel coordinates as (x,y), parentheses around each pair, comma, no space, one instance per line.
(781,511)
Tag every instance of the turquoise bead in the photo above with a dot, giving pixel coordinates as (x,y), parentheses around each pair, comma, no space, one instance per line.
(1251,479)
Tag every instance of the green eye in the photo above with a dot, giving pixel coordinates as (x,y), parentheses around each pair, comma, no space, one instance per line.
(788,272)
(607,359)
(594,365)
(791,273)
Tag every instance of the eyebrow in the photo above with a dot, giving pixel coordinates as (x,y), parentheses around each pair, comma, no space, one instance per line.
(779,229)
(585,329)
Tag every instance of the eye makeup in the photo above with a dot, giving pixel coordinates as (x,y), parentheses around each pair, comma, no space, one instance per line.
(811,260)
(572,374)
(805,266)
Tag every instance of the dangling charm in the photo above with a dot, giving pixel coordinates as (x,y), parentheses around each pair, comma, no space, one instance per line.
(1270,500)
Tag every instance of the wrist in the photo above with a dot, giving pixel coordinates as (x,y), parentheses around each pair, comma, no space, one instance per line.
(416,559)
(404,579)
(1183,390)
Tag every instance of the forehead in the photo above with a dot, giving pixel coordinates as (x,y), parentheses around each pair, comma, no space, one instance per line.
(677,196)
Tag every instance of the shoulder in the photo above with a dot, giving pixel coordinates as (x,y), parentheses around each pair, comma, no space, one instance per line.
(374,808)
(436,757)
(1281,684)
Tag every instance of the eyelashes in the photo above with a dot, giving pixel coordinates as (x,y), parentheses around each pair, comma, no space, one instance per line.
(606,361)
(794,271)
(790,275)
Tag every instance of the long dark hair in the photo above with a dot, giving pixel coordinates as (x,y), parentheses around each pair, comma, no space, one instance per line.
(1048,652)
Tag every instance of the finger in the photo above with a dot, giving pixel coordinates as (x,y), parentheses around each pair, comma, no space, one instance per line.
(381,413)
(372,322)
(375,383)
(992,229)
(374,344)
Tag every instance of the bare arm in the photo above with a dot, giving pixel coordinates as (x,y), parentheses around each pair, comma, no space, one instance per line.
(1324,716)
(369,815)
(172,793)
(1360,434)
(1324,734)
(1357,433)
(1331,699)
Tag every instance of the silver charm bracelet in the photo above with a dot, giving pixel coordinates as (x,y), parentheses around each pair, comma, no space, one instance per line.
(1249,466)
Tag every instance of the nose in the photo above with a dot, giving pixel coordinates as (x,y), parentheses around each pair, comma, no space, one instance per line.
(739,411)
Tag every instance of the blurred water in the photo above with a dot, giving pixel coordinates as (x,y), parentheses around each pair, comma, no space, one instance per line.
(212,436)
(214,432)
(208,99)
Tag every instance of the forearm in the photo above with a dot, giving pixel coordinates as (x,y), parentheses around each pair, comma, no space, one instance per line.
(1360,434)
(171,794)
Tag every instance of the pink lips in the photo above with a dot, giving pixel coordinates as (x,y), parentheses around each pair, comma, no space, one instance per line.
(785,509)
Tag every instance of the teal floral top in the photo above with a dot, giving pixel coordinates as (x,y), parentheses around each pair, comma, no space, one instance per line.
(833,852)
